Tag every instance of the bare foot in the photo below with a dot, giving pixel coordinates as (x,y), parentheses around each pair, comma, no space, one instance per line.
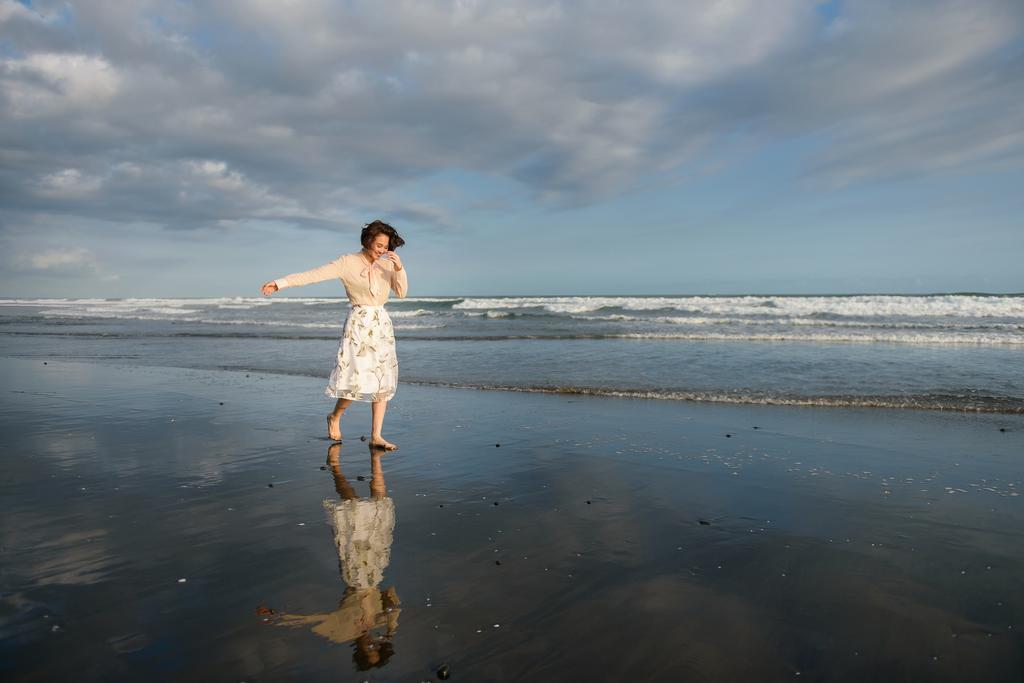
(334,427)
(333,454)
(381,442)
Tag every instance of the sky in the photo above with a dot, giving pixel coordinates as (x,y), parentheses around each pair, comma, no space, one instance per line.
(156,148)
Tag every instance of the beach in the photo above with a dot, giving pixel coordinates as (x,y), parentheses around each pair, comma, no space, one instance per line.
(170,524)
(700,327)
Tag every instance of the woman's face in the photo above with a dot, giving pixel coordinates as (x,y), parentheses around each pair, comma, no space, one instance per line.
(379,245)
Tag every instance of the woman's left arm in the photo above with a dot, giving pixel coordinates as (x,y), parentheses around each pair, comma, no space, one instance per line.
(399,279)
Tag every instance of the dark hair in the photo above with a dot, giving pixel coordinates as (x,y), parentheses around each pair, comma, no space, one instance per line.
(381,228)
(363,645)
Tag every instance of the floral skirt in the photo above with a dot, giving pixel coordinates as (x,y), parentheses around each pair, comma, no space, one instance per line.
(367,367)
(363,529)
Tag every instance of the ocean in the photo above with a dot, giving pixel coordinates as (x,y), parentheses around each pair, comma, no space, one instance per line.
(956,352)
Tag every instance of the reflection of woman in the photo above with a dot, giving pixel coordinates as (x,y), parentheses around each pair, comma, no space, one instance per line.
(366,367)
(366,616)
(362,528)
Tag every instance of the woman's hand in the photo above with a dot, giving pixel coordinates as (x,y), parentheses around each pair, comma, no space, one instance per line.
(394,259)
(269,288)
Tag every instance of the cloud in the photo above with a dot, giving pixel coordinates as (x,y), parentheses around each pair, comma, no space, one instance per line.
(68,182)
(201,115)
(60,262)
(50,85)
(58,258)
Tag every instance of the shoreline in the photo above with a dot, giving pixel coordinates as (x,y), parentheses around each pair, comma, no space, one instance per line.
(722,397)
(855,402)
(428,297)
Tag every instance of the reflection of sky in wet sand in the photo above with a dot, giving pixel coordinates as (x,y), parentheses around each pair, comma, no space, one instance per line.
(672,624)
(590,561)
(665,594)
(805,563)
(75,558)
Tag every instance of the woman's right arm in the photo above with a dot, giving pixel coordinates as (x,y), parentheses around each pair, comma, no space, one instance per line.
(324,272)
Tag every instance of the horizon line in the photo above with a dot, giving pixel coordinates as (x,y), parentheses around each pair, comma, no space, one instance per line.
(481,296)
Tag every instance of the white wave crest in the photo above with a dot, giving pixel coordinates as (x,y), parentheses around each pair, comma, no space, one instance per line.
(488,314)
(418,326)
(145,314)
(894,338)
(409,314)
(954,305)
(575,304)
(819,322)
(155,312)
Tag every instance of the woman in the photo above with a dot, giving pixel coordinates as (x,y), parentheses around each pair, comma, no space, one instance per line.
(366,368)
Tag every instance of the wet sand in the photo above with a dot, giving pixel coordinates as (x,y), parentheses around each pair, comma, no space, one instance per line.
(162,524)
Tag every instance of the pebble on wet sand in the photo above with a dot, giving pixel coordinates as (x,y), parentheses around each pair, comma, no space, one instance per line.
(443,672)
